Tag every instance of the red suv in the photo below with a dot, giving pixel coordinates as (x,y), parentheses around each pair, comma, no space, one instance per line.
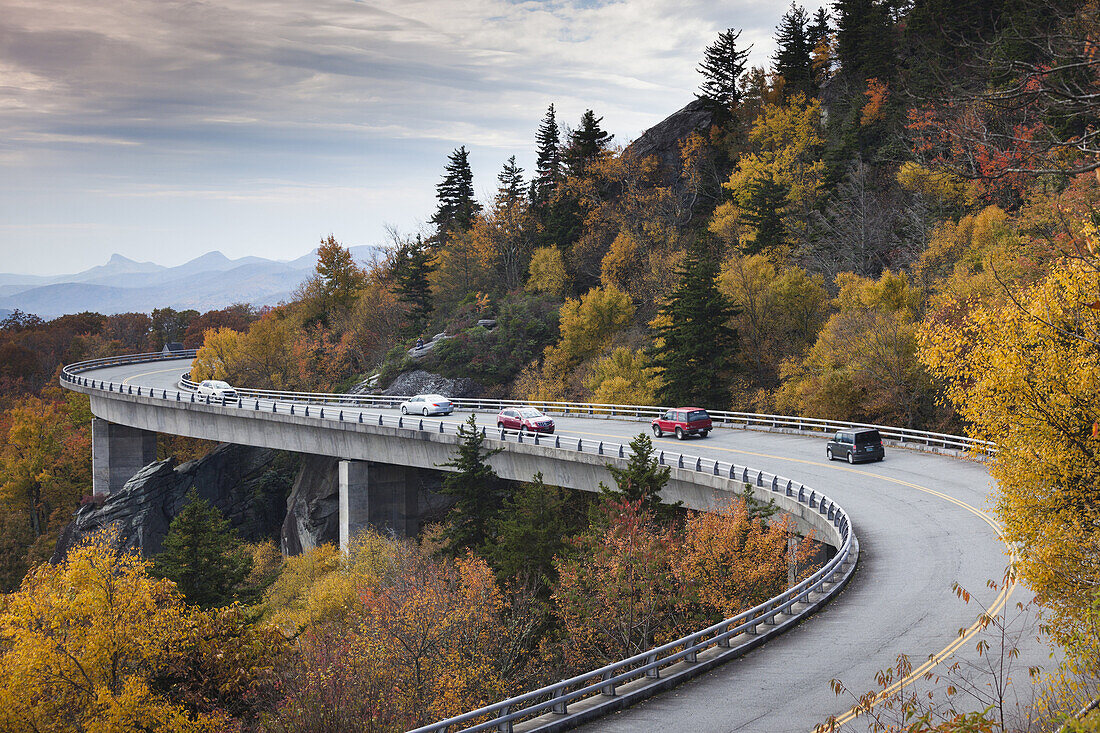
(524,419)
(683,421)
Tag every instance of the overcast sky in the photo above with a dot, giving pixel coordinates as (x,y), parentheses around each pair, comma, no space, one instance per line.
(163,129)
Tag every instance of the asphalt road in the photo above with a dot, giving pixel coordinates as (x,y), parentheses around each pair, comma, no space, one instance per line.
(923,524)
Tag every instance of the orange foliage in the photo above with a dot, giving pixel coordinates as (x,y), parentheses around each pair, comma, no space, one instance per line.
(877,93)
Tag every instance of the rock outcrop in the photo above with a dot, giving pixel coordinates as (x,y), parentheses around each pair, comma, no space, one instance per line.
(313,508)
(249,486)
(422,382)
(663,139)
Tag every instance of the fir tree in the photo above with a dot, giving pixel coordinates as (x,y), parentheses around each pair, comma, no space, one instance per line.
(586,144)
(457,205)
(412,265)
(511,183)
(763,211)
(818,33)
(530,534)
(697,345)
(864,40)
(794,53)
(722,67)
(202,555)
(478,493)
(548,171)
(642,480)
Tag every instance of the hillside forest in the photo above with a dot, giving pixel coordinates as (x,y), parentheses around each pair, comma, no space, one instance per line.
(894,222)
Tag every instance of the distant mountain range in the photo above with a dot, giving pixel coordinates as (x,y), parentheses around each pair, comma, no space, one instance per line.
(122,285)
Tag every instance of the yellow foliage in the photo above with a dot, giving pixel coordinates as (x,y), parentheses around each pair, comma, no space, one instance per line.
(547,272)
(940,186)
(217,354)
(463,265)
(864,364)
(588,324)
(620,262)
(623,377)
(1025,373)
(82,640)
(785,144)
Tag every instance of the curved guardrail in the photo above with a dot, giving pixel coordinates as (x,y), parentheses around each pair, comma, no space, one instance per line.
(596,692)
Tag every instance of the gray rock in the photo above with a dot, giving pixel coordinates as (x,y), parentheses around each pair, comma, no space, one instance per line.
(313,508)
(663,139)
(422,382)
(247,484)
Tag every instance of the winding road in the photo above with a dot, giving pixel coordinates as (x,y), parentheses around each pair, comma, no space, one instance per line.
(923,525)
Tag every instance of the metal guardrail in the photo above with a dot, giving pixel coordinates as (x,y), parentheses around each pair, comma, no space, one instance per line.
(726,638)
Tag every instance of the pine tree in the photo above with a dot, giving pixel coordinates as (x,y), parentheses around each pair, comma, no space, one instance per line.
(586,144)
(478,492)
(202,555)
(794,53)
(511,183)
(548,173)
(642,480)
(723,65)
(818,33)
(696,344)
(412,265)
(457,205)
(763,211)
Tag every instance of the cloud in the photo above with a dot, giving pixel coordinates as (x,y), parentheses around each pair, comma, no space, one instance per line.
(176,95)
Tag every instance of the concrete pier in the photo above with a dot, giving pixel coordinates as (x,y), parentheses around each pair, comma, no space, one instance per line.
(118,452)
(380,495)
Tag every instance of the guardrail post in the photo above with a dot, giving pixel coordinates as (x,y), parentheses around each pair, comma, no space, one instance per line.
(400,421)
(802,495)
(340,417)
(723,642)
(380,418)
(441,426)
(274,406)
(291,408)
(608,689)
(256,408)
(680,461)
(654,672)
(812,495)
(661,458)
(506,725)
(790,491)
(580,444)
(559,706)
(692,656)
(557,441)
(733,470)
(599,448)
(621,454)
(418,427)
(360,417)
(177,396)
(716,468)
(699,464)
(322,413)
(307,410)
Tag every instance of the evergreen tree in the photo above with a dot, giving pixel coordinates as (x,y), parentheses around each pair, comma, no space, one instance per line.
(457,205)
(586,144)
(697,345)
(818,32)
(511,183)
(548,171)
(794,53)
(478,492)
(202,555)
(763,211)
(722,67)
(530,534)
(412,265)
(865,40)
(819,29)
(642,480)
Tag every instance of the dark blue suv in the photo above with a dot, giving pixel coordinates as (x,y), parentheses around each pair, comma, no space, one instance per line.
(857,445)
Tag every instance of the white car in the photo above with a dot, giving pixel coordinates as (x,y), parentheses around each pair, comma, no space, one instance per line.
(427,404)
(217,389)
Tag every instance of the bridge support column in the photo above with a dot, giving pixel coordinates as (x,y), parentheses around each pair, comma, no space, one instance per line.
(118,452)
(378,495)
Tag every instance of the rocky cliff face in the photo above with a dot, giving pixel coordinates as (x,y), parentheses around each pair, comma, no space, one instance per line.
(313,509)
(249,486)
(422,382)
(663,139)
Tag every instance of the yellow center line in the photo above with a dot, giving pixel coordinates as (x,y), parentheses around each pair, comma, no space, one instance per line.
(146,374)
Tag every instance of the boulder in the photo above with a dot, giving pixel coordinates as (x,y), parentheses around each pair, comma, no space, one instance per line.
(313,508)
(423,382)
(249,485)
(663,139)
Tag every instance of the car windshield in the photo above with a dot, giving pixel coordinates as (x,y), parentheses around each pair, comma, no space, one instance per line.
(219,385)
(697,415)
(529,412)
(435,398)
(870,436)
